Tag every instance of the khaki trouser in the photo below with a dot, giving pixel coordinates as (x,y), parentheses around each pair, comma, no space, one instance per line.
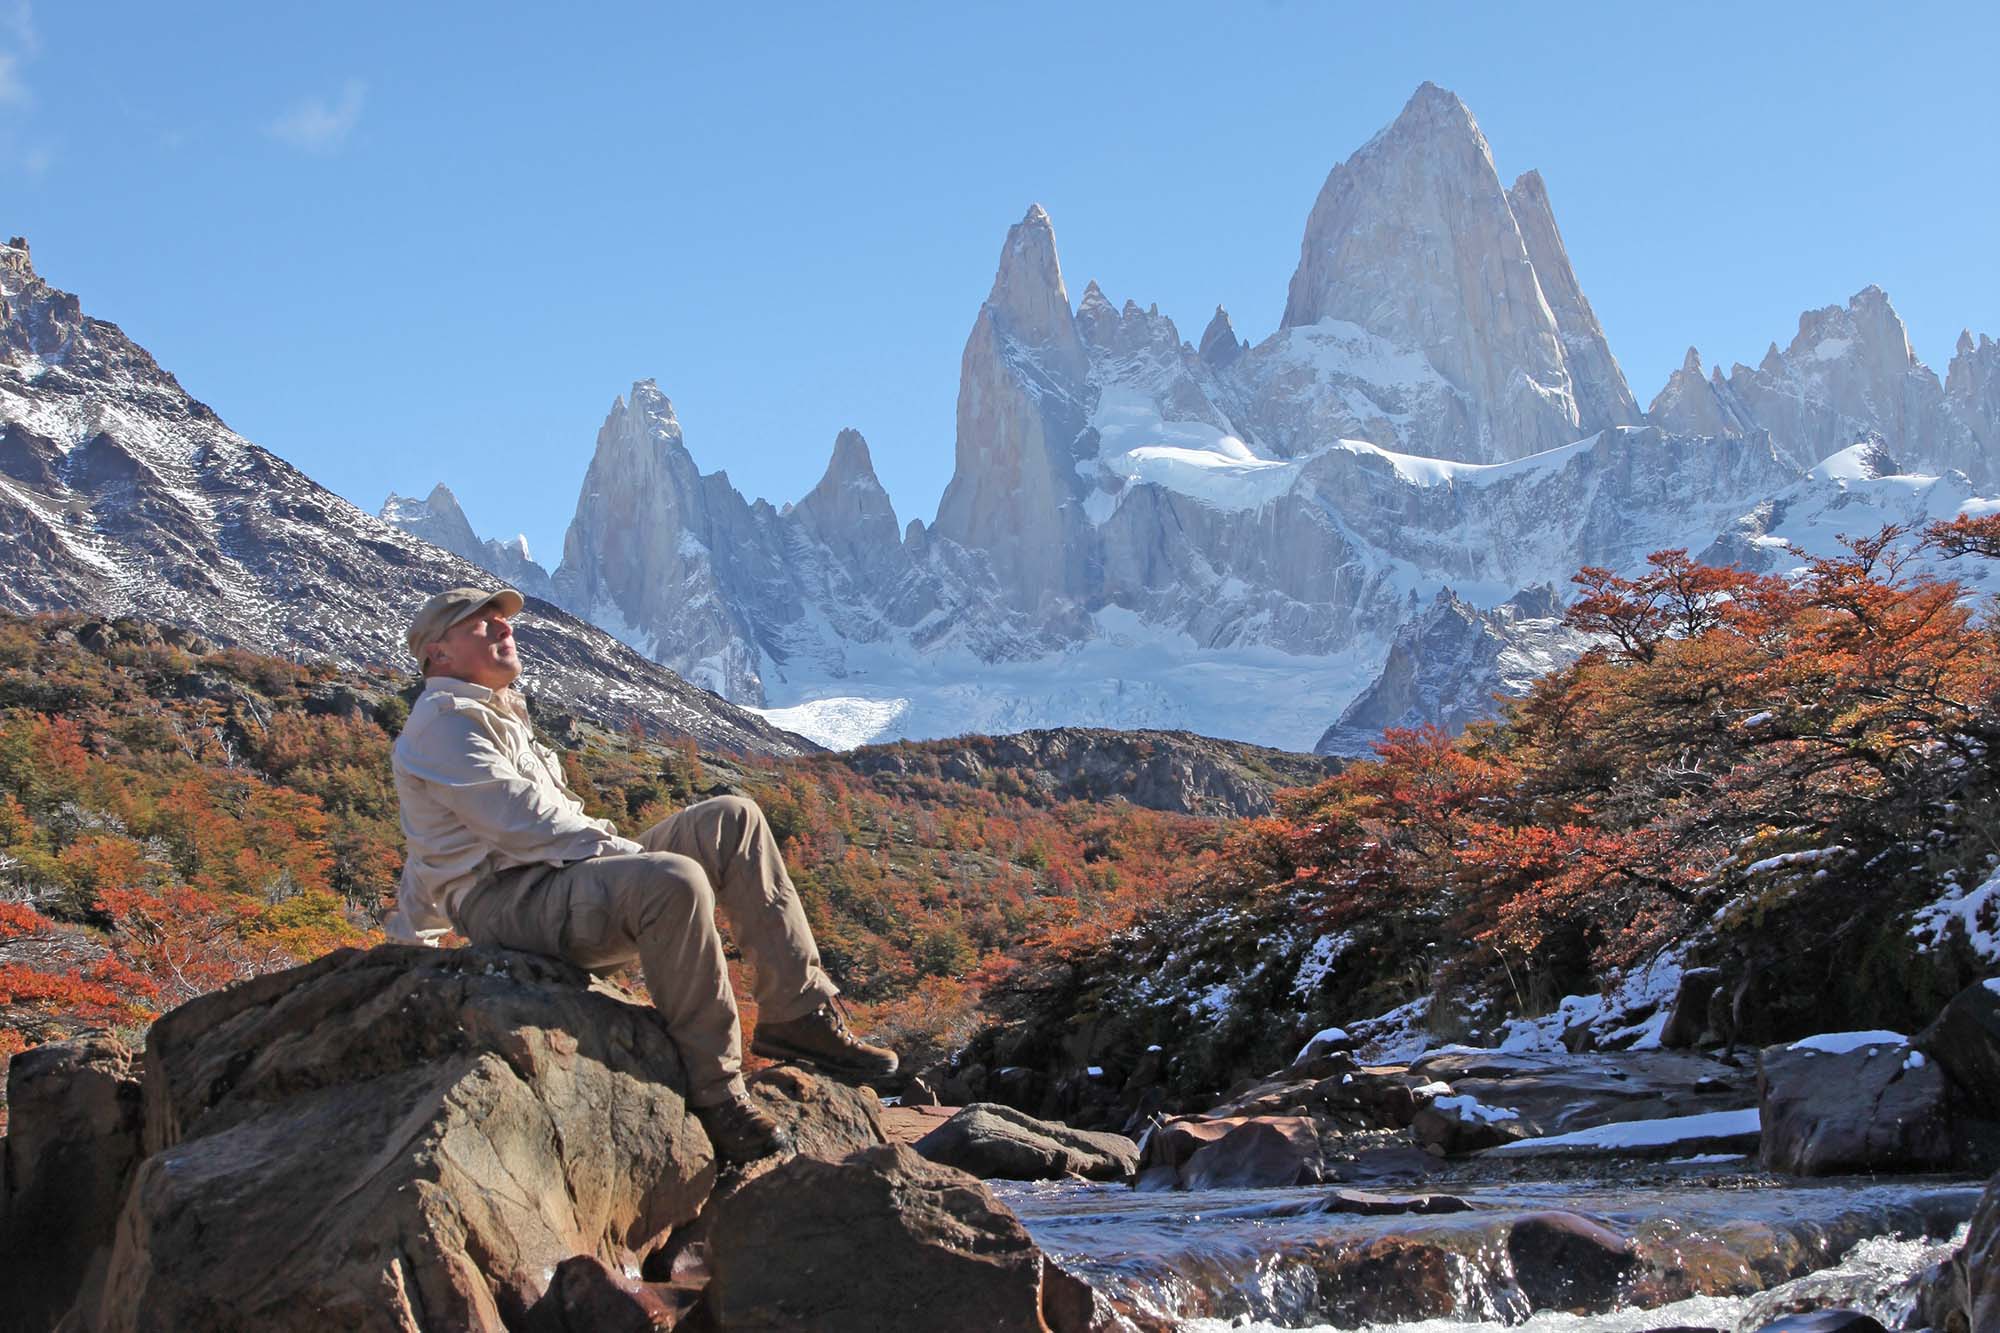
(659,907)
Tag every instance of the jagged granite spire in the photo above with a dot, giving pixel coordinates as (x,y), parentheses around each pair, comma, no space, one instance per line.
(1602,396)
(1413,239)
(1220,347)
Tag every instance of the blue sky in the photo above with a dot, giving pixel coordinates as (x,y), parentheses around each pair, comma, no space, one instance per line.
(404,243)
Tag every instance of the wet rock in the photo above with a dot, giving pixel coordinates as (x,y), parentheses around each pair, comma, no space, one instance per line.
(1687,1018)
(586,1296)
(1385,1280)
(883,1239)
(1565,1262)
(397,1138)
(74,1137)
(1826,1321)
(1965,1039)
(1365,1204)
(1261,1152)
(999,1142)
(1871,1109)
(1963,1292)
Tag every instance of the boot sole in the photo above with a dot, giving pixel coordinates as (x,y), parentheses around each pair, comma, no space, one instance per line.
(786,1055)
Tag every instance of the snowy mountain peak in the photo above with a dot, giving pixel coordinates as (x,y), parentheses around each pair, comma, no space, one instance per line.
(1964,342)
(1691,363)
(14,256)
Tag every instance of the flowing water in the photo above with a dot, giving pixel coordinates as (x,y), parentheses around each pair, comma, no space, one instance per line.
(1710,1252)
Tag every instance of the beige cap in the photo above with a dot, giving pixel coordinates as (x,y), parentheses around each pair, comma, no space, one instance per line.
(446,609)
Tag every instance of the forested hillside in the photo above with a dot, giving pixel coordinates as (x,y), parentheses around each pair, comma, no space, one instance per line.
(175,816)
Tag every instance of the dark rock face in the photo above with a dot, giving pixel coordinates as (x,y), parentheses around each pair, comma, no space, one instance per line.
(863,1243)
(992,1141)
(395,1138)
(1876,1108)
(1688,1019)
(74,1137)
(1826,1321)
(1566,1262)
(1965,1039)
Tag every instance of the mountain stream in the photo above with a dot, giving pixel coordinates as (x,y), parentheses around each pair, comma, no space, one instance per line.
(1689,1245)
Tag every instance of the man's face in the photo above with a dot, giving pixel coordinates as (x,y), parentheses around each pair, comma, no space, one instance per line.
(479,648)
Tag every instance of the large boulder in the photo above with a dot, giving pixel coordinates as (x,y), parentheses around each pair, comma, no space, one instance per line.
(1965,1039)
(1963,1292)
(994,1141)
(1262,1152)
(398,1138)
(883,1239)
(1879,1106)
(74,1137)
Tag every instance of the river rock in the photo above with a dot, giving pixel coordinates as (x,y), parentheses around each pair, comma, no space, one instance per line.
(1687,1018)
(826,1118)
(998,1141)
(1875,1108)
(1963,1292)
(1262,1152)
(883,1239)
(1965,1039)
(1565,1262)
(398,1138)
(1826,1321)
(1451,1126)
(1561,1093)
(585,1296)
(74,1137)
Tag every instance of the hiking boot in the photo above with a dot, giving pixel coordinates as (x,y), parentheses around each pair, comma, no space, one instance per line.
(823,1039)
(742,1131)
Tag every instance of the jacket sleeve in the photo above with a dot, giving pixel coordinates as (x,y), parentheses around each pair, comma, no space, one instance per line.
(460,763)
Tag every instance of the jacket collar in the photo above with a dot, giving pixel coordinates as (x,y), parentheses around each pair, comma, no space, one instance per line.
(506,701)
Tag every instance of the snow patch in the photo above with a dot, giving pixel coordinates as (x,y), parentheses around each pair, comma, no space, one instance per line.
(1841,1043)
(1646,1133)
(1974,913)
(1318,963)
(1471,1108)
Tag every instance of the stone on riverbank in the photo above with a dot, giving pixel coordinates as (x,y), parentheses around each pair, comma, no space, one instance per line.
(1876,1107)
(998,1142)
(1965,1039)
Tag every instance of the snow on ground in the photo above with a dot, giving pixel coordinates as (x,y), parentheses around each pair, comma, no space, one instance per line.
(1318,963)
(1973,913)
(1645,1133)
(1471,1108)
(1636,1008)
(1394,1038)
(1840,1043)
(1324,1034)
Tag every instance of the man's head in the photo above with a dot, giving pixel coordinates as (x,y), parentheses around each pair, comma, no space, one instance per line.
(464,633)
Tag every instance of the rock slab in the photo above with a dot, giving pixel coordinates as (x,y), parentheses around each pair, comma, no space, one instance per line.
(999,1142)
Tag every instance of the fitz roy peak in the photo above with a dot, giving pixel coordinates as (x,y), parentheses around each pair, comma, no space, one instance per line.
(1235,538)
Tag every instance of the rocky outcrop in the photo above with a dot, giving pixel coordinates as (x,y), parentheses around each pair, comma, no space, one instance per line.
(999,1142)
(1233,1152)
(1160,770)
(1450,666)
(398,1137)
(74,1136)
(1879,1107)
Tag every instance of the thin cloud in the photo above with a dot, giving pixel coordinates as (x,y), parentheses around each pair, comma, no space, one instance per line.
(320,125)
(17,21)
(13,91)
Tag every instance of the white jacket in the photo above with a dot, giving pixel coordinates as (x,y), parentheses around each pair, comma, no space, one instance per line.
(479,796)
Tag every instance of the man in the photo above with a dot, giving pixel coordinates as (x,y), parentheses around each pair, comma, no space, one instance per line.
(499,847)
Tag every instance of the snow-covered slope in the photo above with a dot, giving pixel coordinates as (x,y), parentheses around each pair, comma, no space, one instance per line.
(439,520)
(121,495)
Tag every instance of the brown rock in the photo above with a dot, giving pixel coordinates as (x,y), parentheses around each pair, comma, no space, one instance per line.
(587,1297)
(73,1140)
(397,1138)
(883,1239)
(827,1118)
(1687,1020)
(999,1142)
(1262,1152)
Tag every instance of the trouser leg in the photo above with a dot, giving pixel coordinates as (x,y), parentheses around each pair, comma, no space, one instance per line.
(657,907)
(729,838)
